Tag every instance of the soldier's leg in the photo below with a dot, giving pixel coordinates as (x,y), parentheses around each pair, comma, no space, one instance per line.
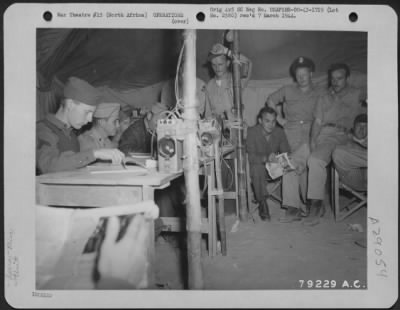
(317,162)
(346,158)
(350,164)
(299,159)
(291,197)
(297,135)
(317,175)
(303,193)
(258,177)
(290,190)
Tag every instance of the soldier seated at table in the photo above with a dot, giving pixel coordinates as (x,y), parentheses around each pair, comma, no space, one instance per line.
(125,120)
(57,146)
(350,159)
(105,125)
(140,137)
(264,141)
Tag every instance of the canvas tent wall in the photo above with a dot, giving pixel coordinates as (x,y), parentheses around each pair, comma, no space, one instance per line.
(131,65)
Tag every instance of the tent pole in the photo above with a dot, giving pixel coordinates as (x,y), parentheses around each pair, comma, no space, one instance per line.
(191,163)
(240,151)
(220,208)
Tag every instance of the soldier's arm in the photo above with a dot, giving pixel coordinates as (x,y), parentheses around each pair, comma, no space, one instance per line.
(115,140)
(275,101)
(317,123)
(50,159)
(86,143)
(207,109)
(284,144)
(362,100)
(279,117)
(246,63)
(254,157)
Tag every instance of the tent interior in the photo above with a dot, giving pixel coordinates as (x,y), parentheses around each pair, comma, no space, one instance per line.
(130,67)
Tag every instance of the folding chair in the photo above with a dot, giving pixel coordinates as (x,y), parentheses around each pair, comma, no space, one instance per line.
(357,201)
(61,236)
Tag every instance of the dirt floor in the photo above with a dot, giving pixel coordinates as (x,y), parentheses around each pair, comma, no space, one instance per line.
(272,255)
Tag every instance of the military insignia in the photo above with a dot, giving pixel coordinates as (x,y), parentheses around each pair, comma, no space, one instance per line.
(301,60)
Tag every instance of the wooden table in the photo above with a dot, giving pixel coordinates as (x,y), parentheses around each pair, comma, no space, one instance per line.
(99,187)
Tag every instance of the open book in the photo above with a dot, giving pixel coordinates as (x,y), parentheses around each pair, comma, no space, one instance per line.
(279,168)
(135,163)
(137,159)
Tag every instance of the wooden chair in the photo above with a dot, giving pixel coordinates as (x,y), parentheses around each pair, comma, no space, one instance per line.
(63,233)
(357,201)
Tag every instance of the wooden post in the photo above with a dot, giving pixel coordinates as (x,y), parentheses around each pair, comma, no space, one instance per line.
(191,163)
(220,190)
(240,151)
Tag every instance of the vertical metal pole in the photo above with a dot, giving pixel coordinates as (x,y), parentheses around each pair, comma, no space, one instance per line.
(240,151)
(191,164)
(219,188)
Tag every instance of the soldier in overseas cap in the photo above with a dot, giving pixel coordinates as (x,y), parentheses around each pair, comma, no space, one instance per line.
(295,104)
(105,125)
(57,146)
(219,90)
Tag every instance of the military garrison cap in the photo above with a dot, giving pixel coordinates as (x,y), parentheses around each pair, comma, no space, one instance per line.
(217,50)
(81,91)
(106,109)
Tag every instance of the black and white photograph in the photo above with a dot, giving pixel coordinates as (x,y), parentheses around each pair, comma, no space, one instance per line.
(152,155)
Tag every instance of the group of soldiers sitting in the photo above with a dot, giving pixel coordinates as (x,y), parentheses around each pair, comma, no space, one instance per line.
(316,125)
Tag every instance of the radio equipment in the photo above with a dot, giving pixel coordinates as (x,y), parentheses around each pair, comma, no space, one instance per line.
(209,132)
(170,145)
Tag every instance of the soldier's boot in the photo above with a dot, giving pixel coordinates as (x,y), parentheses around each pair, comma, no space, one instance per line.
(317,210)
(264,211)
(292,214)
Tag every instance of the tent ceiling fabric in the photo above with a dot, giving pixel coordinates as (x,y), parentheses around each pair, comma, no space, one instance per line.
(136,58)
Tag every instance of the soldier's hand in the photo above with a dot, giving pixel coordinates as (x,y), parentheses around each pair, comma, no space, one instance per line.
(272,158)
(364,142)
(115,155)
(299,168)
(281,121)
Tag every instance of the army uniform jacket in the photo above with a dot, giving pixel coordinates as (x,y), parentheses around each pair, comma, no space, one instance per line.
(57,147)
